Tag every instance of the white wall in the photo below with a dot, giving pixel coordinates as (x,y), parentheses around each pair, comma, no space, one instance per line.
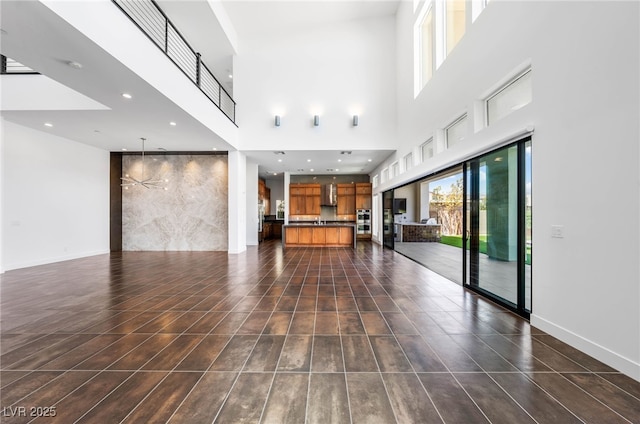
(252,204)
(55,203)
(238,202)
(585,66)
(334,72)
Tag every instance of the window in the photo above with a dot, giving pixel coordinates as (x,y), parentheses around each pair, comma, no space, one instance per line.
(395,169)
(456,132)
(511,97)
(385,175)
(376,180)
(455,22)
(424,38)
(408,162)
(427,149)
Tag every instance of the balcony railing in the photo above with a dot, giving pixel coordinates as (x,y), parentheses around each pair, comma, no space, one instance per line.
(10,66)
(151,20)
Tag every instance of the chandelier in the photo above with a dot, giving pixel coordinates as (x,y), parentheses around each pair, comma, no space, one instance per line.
(128,181)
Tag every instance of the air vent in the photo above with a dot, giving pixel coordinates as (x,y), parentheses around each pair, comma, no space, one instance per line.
(278,153)
(345,152)
(300,170)
(330,169)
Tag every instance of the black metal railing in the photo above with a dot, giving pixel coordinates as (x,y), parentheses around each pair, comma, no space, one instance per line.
(151,20)
(9,66)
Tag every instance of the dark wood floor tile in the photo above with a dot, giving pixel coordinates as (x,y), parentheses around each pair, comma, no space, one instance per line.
(420,355)
(296,354)
(450,399)
(185,321)
(247,399)
(386,304)
(112,353)
(366,304)
(399,323)
(287,400)
(389,354)
(326,290)
(205,400)
(162,402)
(205,324)
(188,303)
(302,323)
(174,353)
(15,391)
(343,290)
(278,323)
(545,354)
(82,352)
(292,291)
(482,354)
(326,323)
(620,401)
(327,354)
(581,358)
(574,399)
(409,400)
(538,403)
(346,304)
(227,304)
(326,304)
(350,323)
(203,355)
(624,382)
(287,304)
(374,323)
(265,354)
(255,322)
(327,402)
(512,353)
(235,354)
(358,356)
(306,304)
(133,324)
(11,341)
(230,323)
(51,353)
(309,290)
(494,402)
(267,303)
(425,324)
(144,353)
(158,323)
(8,377)
(452,355)
(120,402)
(368,399)
(86,396)
(406,304)
(29,349)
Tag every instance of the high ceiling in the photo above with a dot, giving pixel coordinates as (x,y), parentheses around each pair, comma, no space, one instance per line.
(34,35)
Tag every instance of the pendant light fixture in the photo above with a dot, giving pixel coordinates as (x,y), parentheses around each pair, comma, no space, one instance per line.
(128,181)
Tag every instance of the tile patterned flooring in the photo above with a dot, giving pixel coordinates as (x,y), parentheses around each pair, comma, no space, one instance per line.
(273,336)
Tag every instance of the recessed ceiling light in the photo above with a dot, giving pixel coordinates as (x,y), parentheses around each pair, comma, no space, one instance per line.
(48,124)
(369,160)
(275,173)
(308,160)
(311,170)
(124,149)
(337,169)
(215,148)
(279,160)
(73,64)
(230,76)
(127,95)
(173,124)
(339,160)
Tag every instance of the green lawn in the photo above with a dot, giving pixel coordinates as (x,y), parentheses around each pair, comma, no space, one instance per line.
(456,241)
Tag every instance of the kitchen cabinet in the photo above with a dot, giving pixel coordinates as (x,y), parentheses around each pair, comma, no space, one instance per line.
(304,200)
(363,195)
(346,207)
(309,235)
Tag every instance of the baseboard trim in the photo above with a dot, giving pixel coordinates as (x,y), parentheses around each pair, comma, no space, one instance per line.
(601,353)
(52,260)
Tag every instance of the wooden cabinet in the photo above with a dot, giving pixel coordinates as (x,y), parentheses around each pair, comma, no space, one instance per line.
(319,235)
(346,208)
(304,200)
(363,195)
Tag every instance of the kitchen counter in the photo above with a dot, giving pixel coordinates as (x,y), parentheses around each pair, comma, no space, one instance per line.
(319,235)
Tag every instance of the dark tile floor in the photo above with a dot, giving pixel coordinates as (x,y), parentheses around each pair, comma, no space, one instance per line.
(306,335)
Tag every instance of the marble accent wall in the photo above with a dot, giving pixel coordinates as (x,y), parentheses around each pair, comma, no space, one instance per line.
(191,214)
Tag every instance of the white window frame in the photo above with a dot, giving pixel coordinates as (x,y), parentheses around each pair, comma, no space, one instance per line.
(376,180)
(394,169)
(408,161)
(384,175)
(451,125)
(419,82)
(423,145)
(502,88)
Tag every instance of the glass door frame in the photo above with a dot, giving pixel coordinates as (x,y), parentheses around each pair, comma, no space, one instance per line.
(471,233)
(387,200)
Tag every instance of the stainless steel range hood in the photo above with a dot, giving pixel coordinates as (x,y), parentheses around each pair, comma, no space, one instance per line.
(329,195)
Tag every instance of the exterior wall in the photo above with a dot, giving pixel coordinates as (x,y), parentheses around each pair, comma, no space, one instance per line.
(190,215)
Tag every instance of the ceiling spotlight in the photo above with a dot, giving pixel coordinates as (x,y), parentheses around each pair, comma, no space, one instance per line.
(127,95)
(173,124)
(311,170)
(369,160)
(48,124)
(124,149)
(277,121)
(339,160)
(355,120)
(308,160)
(215,148)
(279,160)
(316,120)
(74,65)
(230,76)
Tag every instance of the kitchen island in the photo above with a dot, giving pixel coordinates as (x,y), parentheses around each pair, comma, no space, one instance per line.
(319,235)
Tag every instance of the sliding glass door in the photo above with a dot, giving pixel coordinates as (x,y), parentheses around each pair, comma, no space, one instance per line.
(387,219)
(498,225)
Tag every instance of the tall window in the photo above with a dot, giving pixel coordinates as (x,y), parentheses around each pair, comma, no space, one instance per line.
(425,40)
(455,22)
(427,149)
(395,169)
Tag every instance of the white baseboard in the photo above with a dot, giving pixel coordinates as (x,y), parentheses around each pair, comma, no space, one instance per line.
(624,365)
(54,259)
